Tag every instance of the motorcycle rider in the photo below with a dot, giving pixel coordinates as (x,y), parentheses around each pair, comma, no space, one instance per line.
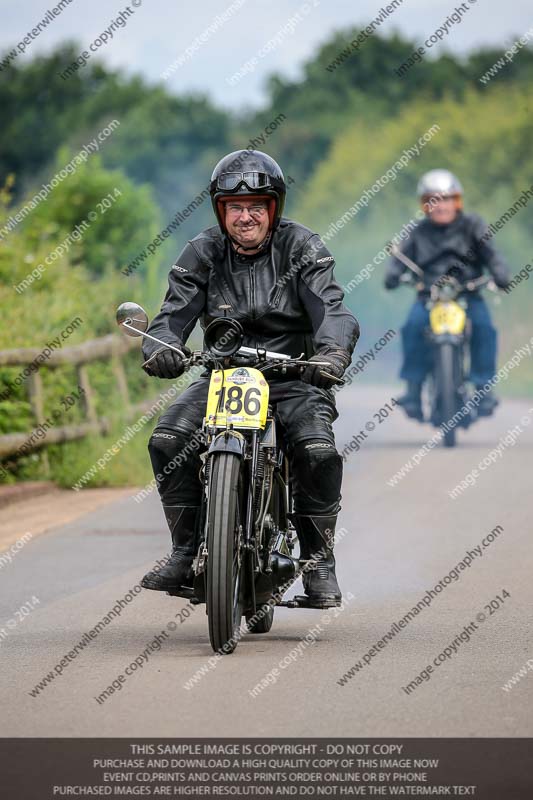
(276,278)
(447,242)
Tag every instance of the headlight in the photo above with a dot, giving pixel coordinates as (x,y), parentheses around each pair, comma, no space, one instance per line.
(223,337)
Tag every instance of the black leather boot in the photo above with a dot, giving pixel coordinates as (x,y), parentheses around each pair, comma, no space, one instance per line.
(411,401)
(488,403)
(316,537)
(177,571)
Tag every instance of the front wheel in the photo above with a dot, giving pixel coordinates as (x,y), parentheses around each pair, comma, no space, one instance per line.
(224,545)
(446,388)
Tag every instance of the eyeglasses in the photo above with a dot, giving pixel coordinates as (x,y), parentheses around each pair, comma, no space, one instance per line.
(432,199)
(254,211)
(253,180)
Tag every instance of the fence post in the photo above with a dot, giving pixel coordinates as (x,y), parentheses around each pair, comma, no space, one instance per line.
(88,402)
(36,398)
(122,383)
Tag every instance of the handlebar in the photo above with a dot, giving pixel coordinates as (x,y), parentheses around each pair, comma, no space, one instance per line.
(469,286)
(477,283)
(130,313)
(261,359)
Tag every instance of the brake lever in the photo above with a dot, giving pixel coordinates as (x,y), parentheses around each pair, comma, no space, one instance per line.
(334,378)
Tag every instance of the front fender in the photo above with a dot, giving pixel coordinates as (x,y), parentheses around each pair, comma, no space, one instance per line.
(455,339)
(228,442)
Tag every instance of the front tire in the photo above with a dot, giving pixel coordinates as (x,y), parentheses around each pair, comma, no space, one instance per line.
(224,563)
(446,388)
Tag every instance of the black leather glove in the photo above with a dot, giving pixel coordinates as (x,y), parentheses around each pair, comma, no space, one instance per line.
(392,281)
(337,361)
(501,280)
(165,363)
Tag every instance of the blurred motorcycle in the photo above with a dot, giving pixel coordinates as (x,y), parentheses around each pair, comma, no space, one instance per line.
(449,333)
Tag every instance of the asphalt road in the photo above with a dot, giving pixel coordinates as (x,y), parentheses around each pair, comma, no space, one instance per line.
(399,541)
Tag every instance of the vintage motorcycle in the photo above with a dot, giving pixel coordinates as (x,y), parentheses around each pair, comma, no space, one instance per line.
(244,557)
(449,333)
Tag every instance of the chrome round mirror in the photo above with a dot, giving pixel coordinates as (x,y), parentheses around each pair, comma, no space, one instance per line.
(132,318)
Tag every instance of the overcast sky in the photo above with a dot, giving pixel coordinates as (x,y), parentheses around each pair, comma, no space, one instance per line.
(159,31)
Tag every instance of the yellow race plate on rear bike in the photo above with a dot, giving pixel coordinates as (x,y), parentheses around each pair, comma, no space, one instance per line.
(447,317)
(237,397)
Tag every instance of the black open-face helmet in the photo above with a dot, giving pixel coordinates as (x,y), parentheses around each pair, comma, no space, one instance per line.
(248,173)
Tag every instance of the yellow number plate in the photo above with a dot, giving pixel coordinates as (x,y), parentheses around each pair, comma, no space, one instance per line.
(447,318)
(237,397)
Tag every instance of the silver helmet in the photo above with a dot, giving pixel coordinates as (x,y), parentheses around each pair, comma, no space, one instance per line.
(439,181)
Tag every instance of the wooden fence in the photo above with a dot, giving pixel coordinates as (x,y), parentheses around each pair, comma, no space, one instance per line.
(111,347)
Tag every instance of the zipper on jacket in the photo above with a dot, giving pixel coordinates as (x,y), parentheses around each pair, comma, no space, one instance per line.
(251,270)
(277,296)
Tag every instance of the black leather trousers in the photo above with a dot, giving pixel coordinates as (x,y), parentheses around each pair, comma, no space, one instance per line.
(305,414)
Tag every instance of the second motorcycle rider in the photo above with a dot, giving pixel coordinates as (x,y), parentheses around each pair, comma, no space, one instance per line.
(275,277)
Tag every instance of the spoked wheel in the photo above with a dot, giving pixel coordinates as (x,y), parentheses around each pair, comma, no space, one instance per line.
(225,558)
(447,389)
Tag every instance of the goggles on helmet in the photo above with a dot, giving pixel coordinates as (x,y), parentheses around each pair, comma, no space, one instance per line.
(228,181)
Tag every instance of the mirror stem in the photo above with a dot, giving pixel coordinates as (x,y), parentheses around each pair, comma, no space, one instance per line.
(126,324)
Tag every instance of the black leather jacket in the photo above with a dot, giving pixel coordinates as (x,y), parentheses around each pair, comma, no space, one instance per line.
(285,297)
(462,248)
